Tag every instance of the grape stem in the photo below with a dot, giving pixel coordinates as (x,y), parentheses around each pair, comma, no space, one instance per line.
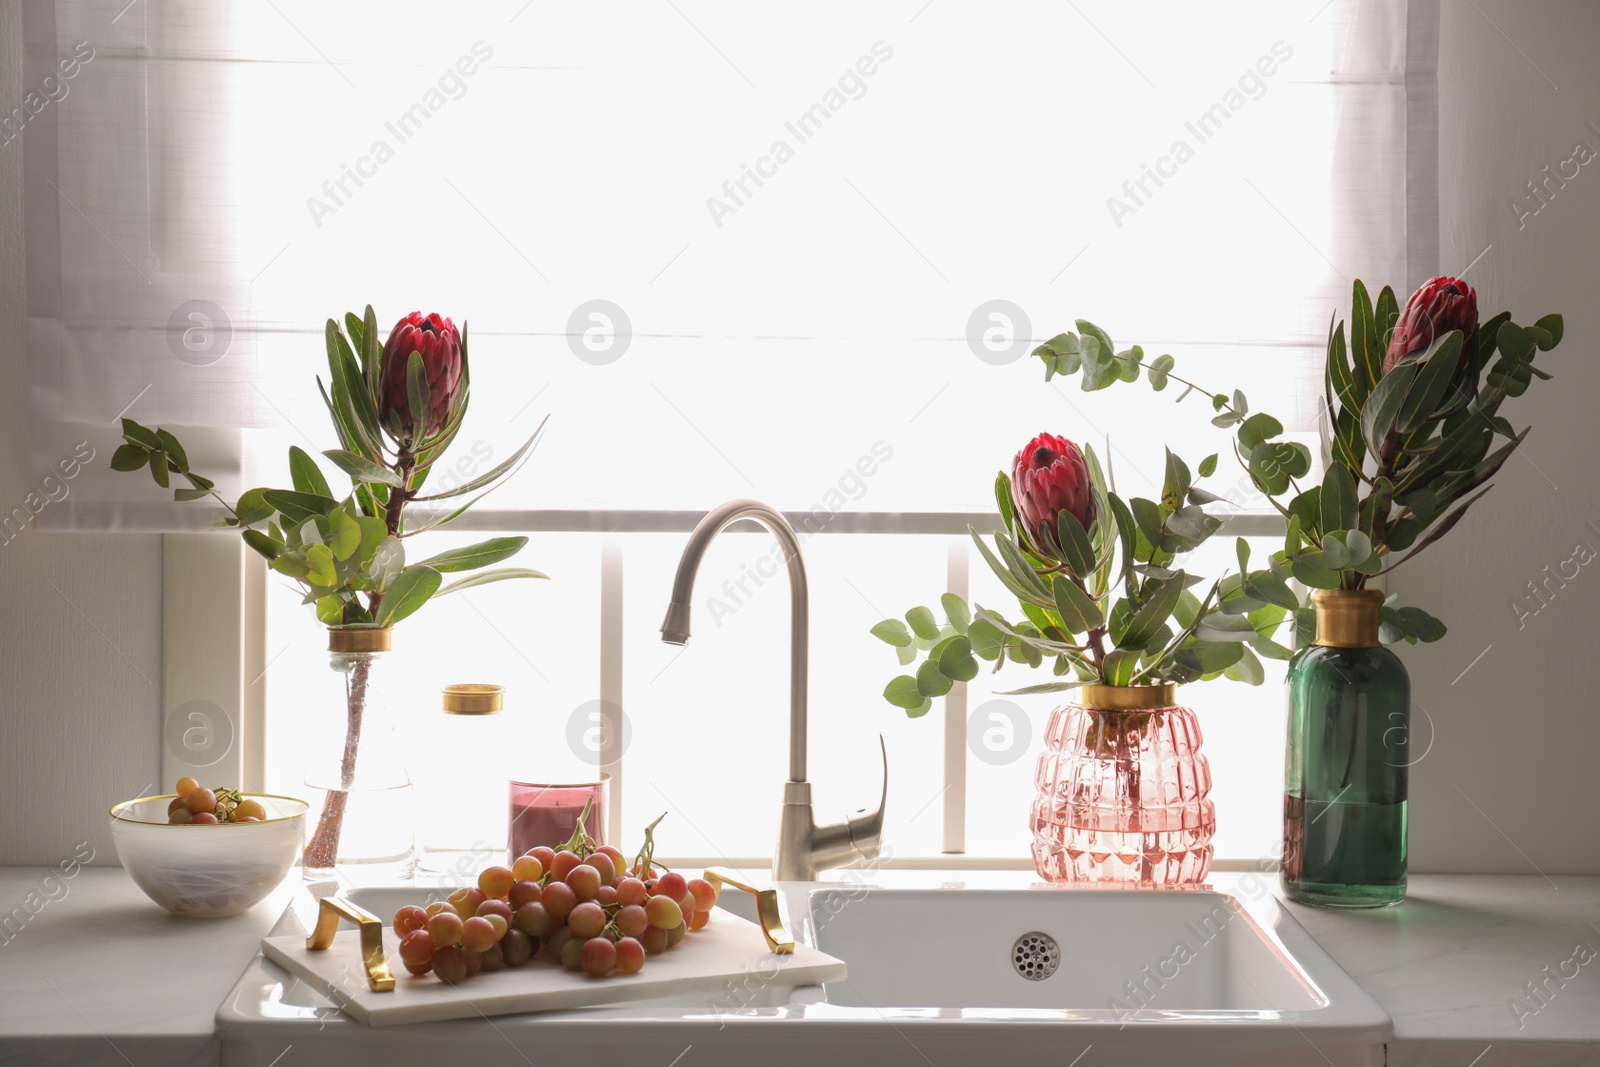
(580,842)
(646,858)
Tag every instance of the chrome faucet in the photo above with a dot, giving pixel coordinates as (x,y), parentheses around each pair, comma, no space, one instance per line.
(803,846)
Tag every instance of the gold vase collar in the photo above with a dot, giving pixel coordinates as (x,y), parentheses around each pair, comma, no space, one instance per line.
(1129,697)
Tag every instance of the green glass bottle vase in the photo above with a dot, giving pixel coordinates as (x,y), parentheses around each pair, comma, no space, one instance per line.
(1344,802)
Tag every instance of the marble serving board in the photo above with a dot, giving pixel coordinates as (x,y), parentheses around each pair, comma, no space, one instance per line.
(728,954)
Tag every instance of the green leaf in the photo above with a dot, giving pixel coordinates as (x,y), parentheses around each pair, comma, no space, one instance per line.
(1359,546)
(1338,500)
(923,624)
(297,506)
(1078,611)
(1147,517)
(1419,624)
(1427,393)
(1386,312)
(986,639)
(1075,546)
(305,474)
(253,507)
(1001,571)
(1023,572)
(266,546)
(1160,367)
(1368,330)
(1043,687)
(892,631)
(471,557)
(137,434)
(371,347)
(158,468)
(352,400)
(1186,528)
(903,692)
(1246,669)
(190,494)
(1176,485)
(956,610)
(346,537)
(409,592)
(1380,412)
(129,457)
(1307,507)
(357,331)
(1208,466)
(956,661)
(175,453)
(363,469)
(1119,666)
(319,565)
(1514,343)
(500,470)
(1256,429)
(373,532)
(488,578)
(1554,327)
(1268,587)
(1150,616)
(1241,549)
(906,654)
(930,682)
(1106,349)
(1002,499)
(330,609)
(1311,568)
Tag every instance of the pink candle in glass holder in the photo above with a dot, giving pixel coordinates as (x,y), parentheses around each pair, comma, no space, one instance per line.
(547,814)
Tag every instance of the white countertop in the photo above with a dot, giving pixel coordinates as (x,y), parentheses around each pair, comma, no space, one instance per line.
(100,975)
(97,974)
(1449,962)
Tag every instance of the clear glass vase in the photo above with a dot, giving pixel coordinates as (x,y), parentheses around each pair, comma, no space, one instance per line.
(1124,791)
(365,827)
(1347,769)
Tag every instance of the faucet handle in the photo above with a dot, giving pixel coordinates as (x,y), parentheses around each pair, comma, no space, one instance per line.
(866,827)
(861,834)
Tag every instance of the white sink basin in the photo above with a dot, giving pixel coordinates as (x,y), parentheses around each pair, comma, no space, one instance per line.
(1222,976)
(1189,954)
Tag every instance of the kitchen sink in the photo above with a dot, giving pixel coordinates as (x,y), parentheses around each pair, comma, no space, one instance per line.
(945,968)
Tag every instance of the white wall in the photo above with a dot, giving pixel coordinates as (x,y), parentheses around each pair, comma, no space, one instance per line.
(1518,734)
(79,726)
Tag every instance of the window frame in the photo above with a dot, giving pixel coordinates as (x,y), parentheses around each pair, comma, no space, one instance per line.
(215,648)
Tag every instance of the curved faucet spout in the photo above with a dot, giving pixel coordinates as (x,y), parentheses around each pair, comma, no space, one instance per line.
(675,628)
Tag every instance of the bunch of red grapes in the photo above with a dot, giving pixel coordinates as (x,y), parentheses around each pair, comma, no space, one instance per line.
(589,911)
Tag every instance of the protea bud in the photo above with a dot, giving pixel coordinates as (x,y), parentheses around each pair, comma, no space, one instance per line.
(436,340)
(1049,476)
(1439,306)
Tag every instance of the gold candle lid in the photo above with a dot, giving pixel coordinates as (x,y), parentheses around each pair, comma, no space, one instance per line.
(473,699)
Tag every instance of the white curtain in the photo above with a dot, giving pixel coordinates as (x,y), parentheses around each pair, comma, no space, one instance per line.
(798,222)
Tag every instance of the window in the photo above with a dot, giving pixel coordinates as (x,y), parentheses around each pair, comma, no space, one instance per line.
(733,252)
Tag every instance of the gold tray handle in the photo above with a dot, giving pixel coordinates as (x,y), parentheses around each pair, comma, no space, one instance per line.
(329,912)
(778,939)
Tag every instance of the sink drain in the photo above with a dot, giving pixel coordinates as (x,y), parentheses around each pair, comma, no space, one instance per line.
(1036,956)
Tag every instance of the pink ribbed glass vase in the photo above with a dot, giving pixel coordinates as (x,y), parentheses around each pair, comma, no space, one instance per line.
(1124,791)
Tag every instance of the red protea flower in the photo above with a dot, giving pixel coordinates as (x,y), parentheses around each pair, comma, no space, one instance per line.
(1049,476)
(436,339)
(1439,306)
